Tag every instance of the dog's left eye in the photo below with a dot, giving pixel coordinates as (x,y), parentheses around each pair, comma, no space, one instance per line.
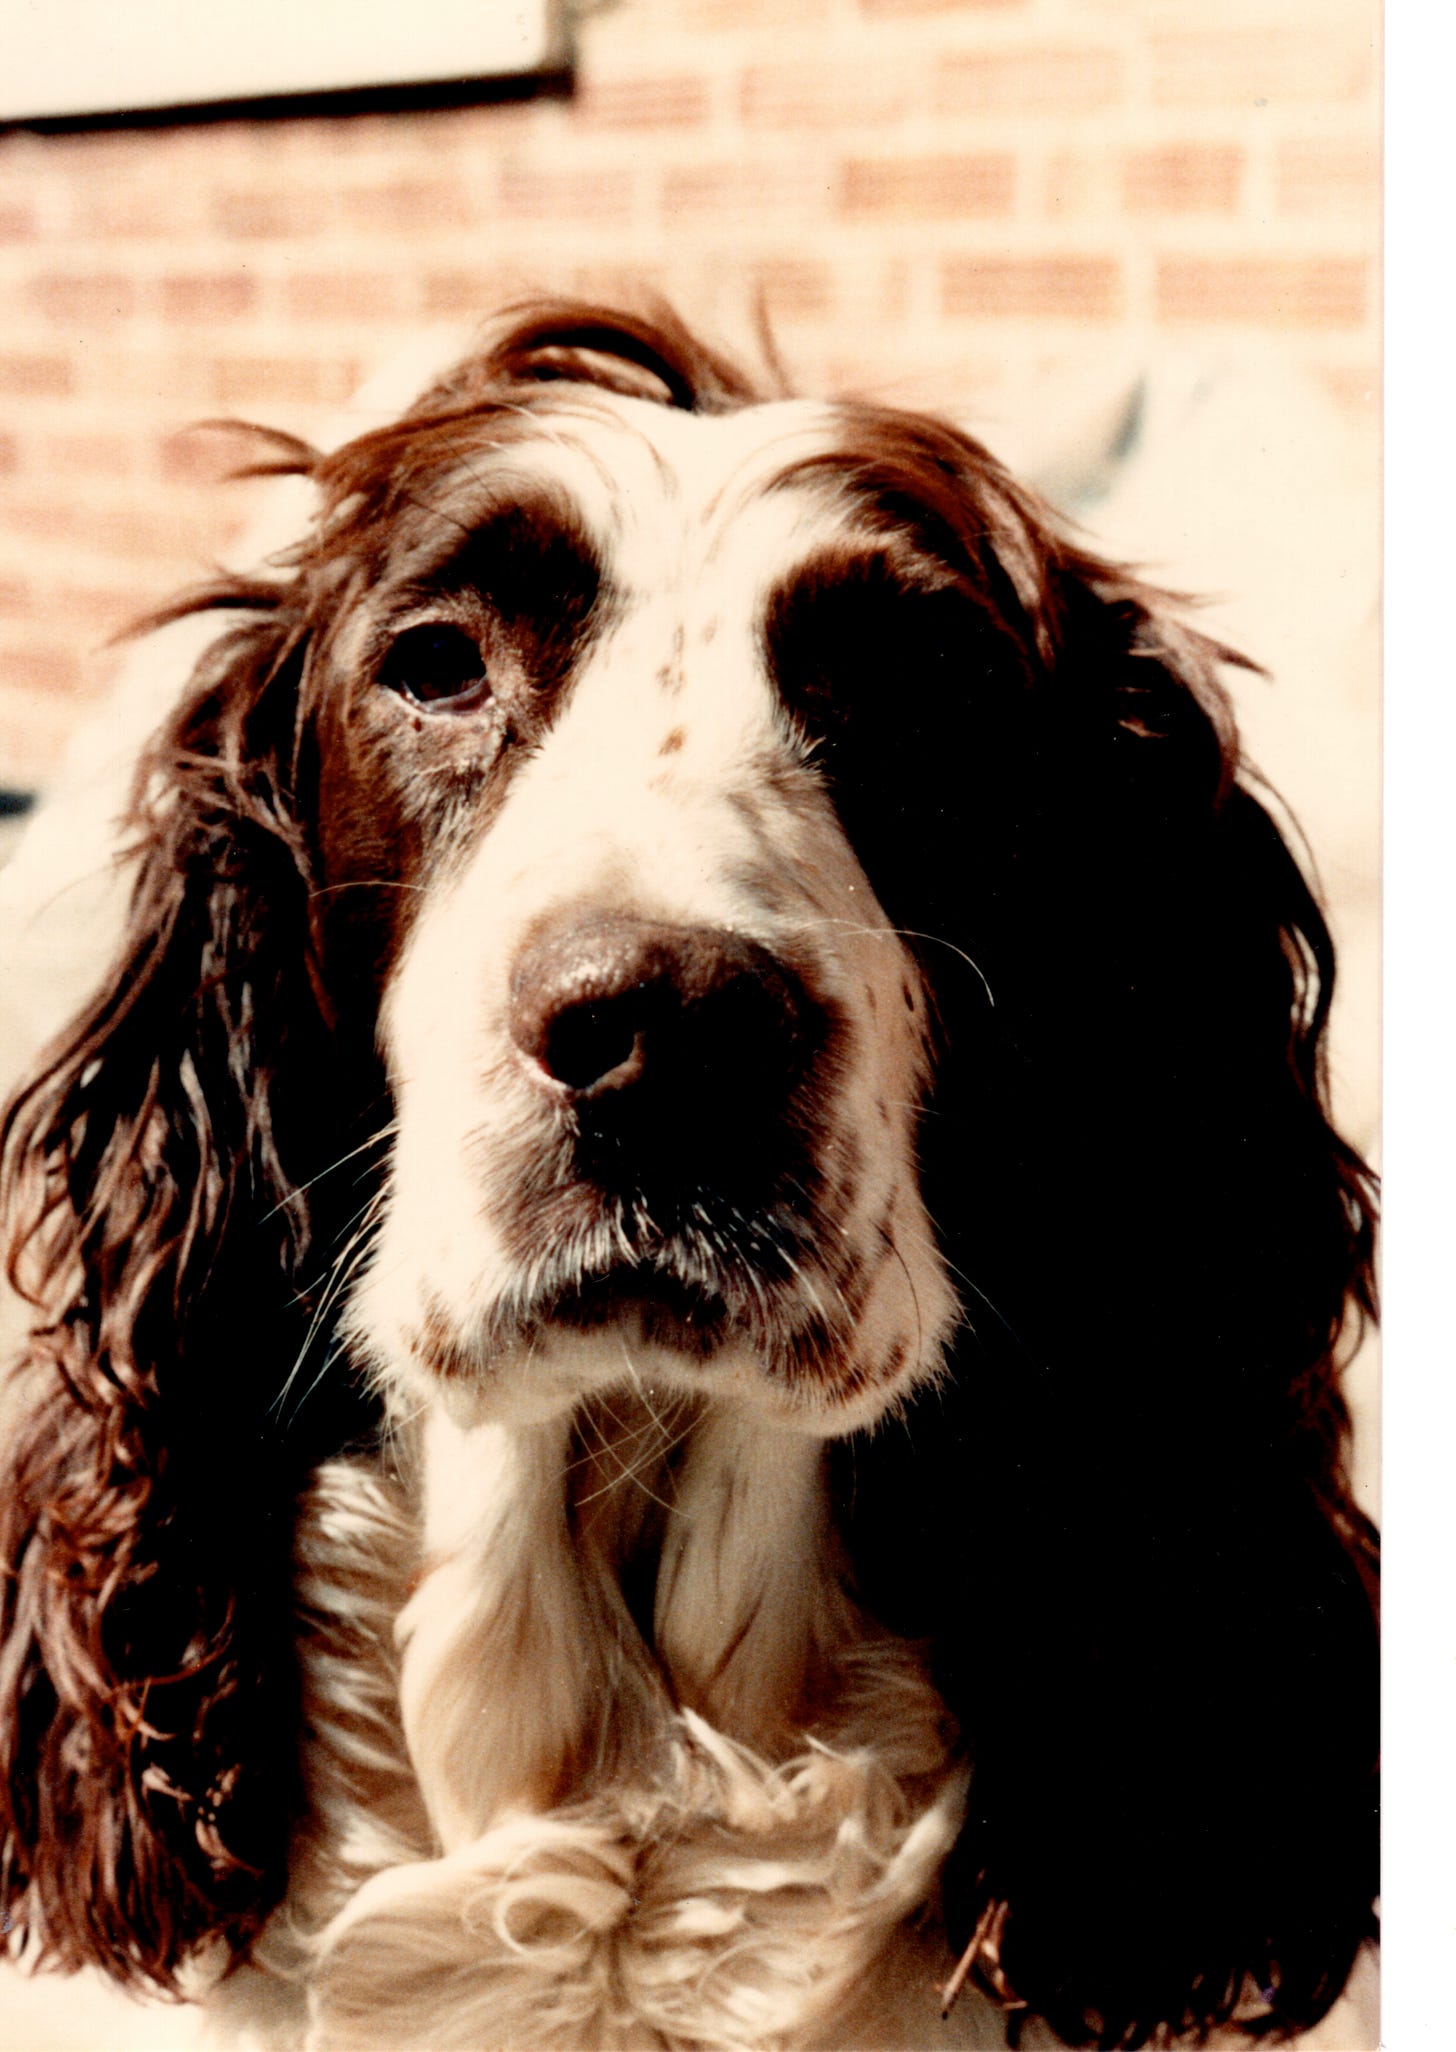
(436,664)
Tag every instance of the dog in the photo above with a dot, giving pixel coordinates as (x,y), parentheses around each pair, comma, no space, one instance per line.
(687,1285)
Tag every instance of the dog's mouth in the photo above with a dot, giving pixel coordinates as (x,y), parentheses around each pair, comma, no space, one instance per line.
(679,1179)
(788,1278)
(649,1306)
(677,1170)
(694,1276)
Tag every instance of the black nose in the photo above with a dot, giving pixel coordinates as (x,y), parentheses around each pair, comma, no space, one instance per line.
(661,1037)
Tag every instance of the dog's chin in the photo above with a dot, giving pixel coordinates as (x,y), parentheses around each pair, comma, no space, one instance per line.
(648,1308)
(727,1330)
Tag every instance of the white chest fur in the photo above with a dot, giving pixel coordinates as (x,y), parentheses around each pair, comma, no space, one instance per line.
(671,1789)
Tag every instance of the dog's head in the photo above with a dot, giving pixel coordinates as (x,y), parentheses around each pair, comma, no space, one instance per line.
(655,1051)
(666,880)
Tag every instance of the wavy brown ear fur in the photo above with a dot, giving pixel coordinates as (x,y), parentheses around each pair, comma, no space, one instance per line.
(1125,1522)
(151,1178)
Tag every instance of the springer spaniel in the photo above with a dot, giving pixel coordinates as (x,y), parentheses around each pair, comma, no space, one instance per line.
(687,1282)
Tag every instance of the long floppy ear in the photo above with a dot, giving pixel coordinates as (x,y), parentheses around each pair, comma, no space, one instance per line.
(154,1225)
(1124,1521)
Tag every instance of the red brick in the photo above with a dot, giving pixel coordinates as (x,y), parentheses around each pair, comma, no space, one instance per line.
(1183,178)
(898,7)
(570,197)
(164,373)
(19,221)
(744,14)
(606,283)
(267,380)
(208,296)
(1280,292)
(94,455)
(679,101)
(793,288)
(39,520)
(102,611)
(164,531)
(100,156)
(40,666)
(409,206)
(132,216)
(927,188)
(1028,81)
(755,190)
(34,377)
(205,453)
(448,295)
(440,135)
(1315,175)
(813,95)
(296,210)
(1260,63)
(101,297)
(1033,288)
(342,295)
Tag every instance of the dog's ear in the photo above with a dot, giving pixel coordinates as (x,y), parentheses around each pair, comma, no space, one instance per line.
(154,1225)
(1124,1521)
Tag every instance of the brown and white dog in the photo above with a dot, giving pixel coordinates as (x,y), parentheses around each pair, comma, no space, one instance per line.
(686,1283)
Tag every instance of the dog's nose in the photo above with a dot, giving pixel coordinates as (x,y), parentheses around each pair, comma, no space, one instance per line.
(641,1023)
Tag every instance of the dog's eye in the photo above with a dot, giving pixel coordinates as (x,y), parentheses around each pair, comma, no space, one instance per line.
(436,664)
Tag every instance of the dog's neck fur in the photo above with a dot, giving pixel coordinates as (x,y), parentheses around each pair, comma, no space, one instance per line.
(585,1576)
(669,1786)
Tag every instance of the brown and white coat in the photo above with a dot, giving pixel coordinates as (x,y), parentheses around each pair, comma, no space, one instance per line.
(687,1282)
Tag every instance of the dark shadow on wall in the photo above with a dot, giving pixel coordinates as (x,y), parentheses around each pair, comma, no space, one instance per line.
(431,96)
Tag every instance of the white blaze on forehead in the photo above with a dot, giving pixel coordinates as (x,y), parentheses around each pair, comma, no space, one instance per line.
(652,483)
(672,706)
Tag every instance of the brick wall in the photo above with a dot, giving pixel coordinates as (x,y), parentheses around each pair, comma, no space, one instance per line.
(944,198)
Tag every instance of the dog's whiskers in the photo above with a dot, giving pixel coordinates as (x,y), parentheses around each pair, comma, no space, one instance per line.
(910,933)
(344,1268)
(366,883)
(385,1133)
(653,1436)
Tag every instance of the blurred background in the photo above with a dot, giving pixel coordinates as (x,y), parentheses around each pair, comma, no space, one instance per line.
(968,202)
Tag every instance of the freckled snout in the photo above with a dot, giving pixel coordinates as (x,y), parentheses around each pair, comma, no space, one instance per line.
(670,1044)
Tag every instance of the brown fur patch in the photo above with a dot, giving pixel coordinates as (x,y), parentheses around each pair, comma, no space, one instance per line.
(895,1362)
(436,1342)
(671,677)
(749,811)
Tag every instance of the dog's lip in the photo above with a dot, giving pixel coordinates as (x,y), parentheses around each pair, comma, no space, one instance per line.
(644,1283)
(651,1306)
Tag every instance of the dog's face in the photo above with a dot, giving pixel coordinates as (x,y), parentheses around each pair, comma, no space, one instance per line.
(656,1052)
